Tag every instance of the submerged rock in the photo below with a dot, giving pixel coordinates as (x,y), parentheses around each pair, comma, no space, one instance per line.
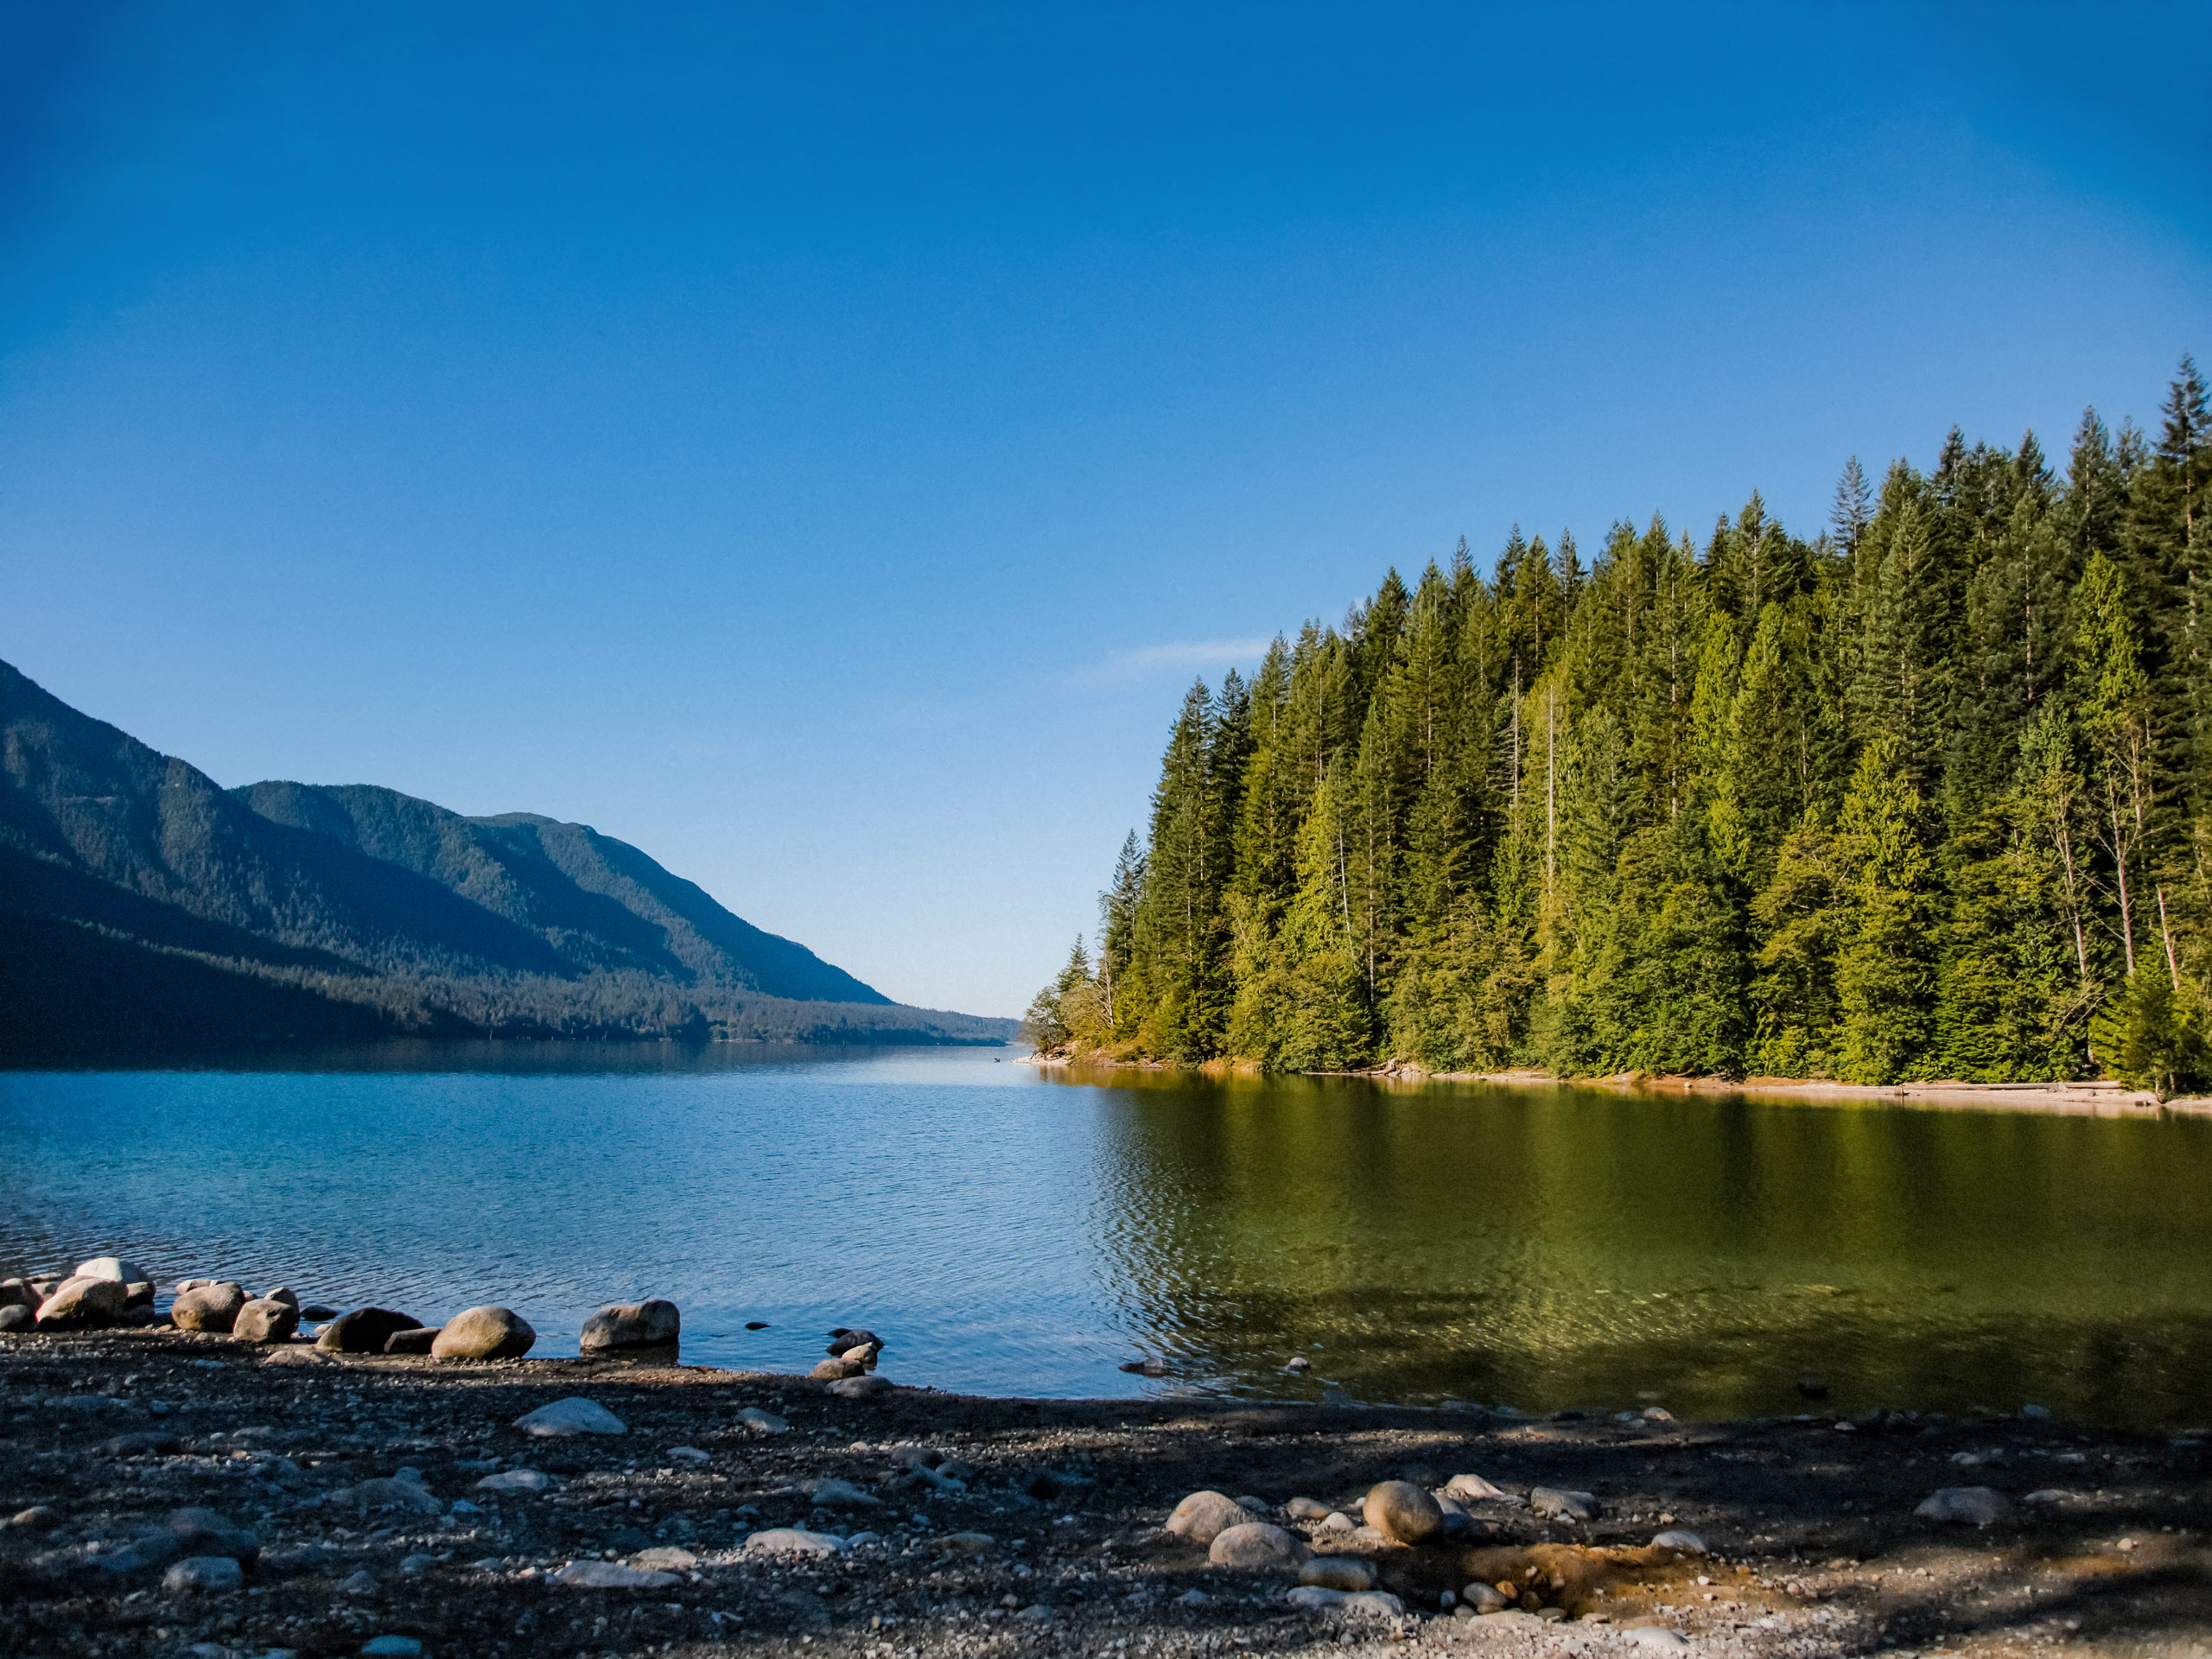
(631,1324)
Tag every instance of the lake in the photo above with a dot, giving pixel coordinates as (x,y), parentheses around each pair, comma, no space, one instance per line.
(1008,1231)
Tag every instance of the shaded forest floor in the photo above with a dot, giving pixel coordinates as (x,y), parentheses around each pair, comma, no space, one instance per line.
(1054,1546)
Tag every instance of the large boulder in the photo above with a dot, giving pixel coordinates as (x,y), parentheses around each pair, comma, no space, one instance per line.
(364,1330)
(208,1307)
(1257,1546)
(1404,1513)
(83,1305)
(113,1266)
(484,1333)
(631,1324)
(265,1319)
(1204,1516)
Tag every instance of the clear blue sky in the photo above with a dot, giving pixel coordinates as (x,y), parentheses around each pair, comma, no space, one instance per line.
(819,444)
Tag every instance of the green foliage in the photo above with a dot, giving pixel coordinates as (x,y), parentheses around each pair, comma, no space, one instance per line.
(1929,795)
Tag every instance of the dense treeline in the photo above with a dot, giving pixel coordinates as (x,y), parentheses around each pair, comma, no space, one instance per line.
(1929,795)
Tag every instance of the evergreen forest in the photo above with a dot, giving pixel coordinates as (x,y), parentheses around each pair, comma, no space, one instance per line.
(1929,795)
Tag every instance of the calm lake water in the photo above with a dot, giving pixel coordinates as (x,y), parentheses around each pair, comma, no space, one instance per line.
(1009,1232)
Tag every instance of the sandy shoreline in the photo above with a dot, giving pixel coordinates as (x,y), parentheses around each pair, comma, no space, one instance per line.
(2087,1099)
(360,1479)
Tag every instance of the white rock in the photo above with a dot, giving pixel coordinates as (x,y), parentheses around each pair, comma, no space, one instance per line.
(612,1575)
(515,1480)
(126,1272)
(1471,1489)
(208,1572)
(574,1415)
(793,1541)
(763,1422)
(830,1494)
(1657,1635)
(2047,1494)
(1565,1505)
(1979,1506)
(665,1558)
(1255,1546)
(1688,1542)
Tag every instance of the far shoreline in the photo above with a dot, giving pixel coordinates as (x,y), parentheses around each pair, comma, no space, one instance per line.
(2092,1099)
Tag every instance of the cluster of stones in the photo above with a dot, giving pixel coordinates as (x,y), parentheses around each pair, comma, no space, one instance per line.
(850,1369)
(1338,1565)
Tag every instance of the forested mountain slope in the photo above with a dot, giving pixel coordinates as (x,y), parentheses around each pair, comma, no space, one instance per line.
(1929,795)
(133,889)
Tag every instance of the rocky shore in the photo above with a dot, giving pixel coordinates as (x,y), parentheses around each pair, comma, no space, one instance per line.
(179,1491)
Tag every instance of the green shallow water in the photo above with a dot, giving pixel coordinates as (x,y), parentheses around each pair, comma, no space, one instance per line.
(1013,1232)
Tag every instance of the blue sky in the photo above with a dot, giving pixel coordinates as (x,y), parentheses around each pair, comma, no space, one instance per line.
(818,445)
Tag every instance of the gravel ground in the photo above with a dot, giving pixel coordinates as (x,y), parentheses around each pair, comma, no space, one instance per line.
(1052,1543)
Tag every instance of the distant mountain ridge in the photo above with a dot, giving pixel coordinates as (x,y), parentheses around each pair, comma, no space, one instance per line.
(353,908)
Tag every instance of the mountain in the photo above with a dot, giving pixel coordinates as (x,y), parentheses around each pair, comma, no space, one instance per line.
(143,904)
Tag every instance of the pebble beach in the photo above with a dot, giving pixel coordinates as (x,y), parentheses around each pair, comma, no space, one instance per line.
(202,1492)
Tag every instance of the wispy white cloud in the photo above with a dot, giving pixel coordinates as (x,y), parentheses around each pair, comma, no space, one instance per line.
(1179,655)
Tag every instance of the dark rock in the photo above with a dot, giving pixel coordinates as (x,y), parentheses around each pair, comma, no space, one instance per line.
(17,1292)
(205,1532)
(17,1317)
(145,1443)
(303,1557)
(1812,1388)
(416,1341)
(316,1312)
(756,1325)
(1144,1367)
(843,1340)
(364,1330)
(631,1324)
